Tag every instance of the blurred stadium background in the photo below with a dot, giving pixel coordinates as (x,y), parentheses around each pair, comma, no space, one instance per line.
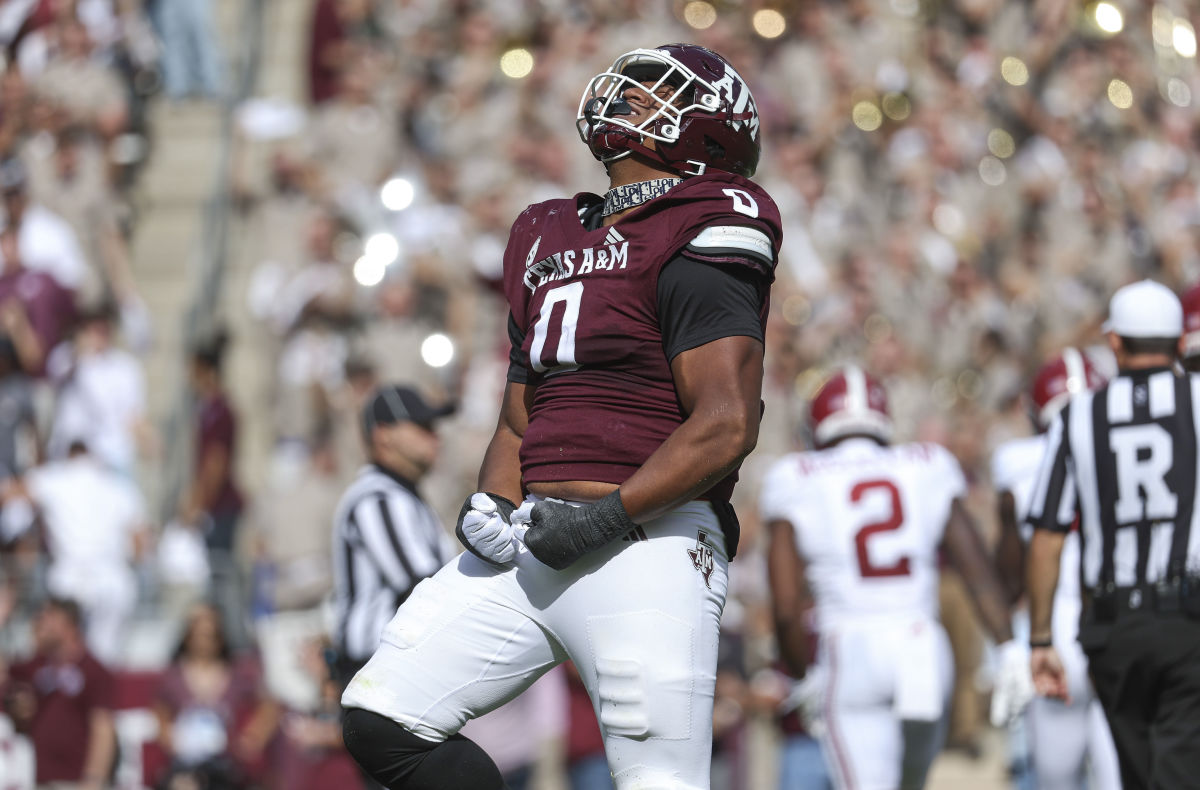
(276,204)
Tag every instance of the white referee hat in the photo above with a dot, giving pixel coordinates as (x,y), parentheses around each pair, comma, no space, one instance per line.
(1145,309)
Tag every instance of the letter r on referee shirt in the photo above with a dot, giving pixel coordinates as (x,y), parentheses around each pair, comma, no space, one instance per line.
(1144,457)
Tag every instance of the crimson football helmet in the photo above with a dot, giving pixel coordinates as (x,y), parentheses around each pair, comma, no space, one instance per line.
(1191,324)
(708,119)
(1056,381)
(850,403)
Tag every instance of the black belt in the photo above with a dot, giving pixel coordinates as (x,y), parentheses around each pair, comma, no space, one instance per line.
(1180,596)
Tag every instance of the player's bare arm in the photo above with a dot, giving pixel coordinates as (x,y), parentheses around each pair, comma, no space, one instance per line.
(1010,549)
(485,520)
(500,472)
(790,596)
(719,385)
(966,552)
(1045,553)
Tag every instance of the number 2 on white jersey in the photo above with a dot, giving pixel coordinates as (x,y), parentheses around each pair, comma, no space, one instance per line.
(893,521)
(564,355)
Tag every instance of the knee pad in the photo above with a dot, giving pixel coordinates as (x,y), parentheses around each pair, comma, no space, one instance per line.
(643,690)
(634,780)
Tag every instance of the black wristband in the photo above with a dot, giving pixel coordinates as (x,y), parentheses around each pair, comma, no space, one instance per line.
(613,520)
(1037,643)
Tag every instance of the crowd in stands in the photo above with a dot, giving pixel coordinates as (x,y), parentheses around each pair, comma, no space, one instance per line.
(963,184)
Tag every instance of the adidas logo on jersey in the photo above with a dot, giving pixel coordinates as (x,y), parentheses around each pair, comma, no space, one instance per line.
(561,265)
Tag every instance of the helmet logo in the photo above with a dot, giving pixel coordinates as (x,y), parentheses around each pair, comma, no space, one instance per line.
(733,88)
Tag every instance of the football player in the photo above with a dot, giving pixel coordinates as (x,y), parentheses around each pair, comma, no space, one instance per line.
(1191,329)
(857,525)
(636,321)
(1063,739)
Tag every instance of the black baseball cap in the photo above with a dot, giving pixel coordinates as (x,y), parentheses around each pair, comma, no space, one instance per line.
(396,403)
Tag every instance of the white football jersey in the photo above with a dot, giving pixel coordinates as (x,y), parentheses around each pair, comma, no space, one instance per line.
(1015,466)
(868,521)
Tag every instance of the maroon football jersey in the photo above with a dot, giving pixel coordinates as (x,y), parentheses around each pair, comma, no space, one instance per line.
(587,302)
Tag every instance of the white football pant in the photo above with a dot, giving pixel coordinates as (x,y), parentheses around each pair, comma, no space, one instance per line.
(888,680)
(639,618)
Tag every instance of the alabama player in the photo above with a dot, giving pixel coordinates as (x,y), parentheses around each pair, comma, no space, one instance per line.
(857,524)
(636,321)
(1191,329)
(1063,739)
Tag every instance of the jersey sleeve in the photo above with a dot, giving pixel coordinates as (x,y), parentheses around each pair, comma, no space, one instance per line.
(518,372)
(726,220)
(778,491)
(699,302)
(943,484)
(1001,478)
(948,474)
(1053,505)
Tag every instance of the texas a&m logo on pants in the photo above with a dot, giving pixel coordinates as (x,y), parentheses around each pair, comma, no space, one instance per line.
(702,557)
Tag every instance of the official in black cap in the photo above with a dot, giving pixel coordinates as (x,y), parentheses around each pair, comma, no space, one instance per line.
(386,539)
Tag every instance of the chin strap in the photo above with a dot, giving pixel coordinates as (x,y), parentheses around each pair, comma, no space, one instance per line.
(627,196)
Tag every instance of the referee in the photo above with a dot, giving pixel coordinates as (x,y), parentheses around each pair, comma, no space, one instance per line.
(1121,461)
(385,538)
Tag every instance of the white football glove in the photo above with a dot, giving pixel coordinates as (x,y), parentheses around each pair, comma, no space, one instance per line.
(1014,684)
(807,698)
(485,532)
(520,519)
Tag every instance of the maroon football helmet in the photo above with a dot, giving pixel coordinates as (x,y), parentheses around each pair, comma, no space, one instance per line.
(708,120)
(1056,381)
(850,403)
(1191,326)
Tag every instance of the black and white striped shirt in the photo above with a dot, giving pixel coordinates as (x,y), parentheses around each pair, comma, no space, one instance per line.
(1123,461)
(385,540)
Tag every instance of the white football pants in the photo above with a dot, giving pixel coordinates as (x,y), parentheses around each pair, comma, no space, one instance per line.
(640,619)
(887,684)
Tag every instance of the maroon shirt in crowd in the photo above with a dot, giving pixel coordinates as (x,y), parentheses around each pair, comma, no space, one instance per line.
(585,303)
(327,36)
(234,708)
(49,307)
(217,428)
(67,694)
(235,704)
